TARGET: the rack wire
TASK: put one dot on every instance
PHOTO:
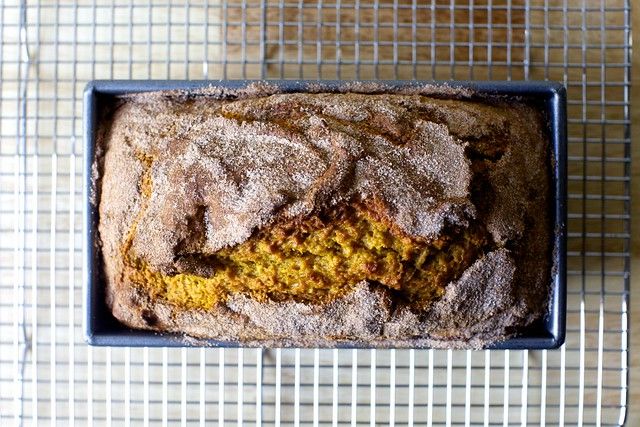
(49, 50)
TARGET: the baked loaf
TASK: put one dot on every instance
(401, 219)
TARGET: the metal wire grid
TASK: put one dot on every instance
(49, 50)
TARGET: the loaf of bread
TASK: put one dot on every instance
(261, 218)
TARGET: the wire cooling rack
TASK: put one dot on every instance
(50, 49)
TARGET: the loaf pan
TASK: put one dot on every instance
(102, 329)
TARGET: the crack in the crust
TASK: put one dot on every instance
(305, 261)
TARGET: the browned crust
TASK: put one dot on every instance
(502, 292)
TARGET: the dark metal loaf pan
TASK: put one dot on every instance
(101, 328)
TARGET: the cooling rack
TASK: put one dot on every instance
(50, 49)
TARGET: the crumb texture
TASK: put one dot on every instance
(391, 220)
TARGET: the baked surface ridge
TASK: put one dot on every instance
(315, 219)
